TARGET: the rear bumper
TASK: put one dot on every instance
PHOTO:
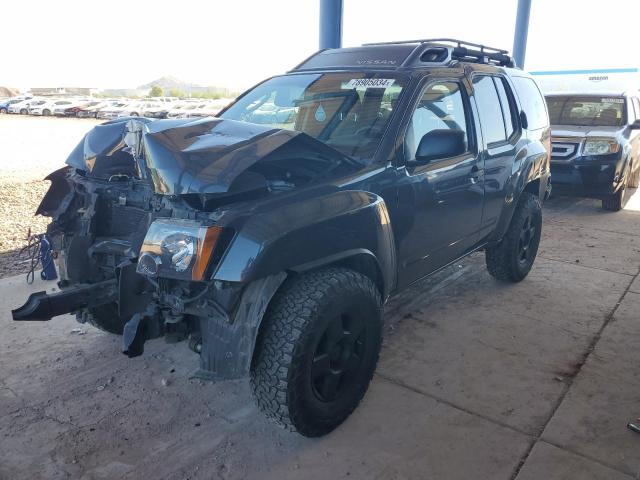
(41, 306)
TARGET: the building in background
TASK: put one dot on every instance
(596, 80)
(62, 91)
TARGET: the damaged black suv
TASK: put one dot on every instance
(271, 237)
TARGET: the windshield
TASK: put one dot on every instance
(347, 111)
(586, 111)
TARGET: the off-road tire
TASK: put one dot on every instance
(505, 260)
(295, 338)
(106, 318)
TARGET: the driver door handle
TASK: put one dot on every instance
(476, 174)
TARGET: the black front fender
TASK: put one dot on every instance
(311, 232)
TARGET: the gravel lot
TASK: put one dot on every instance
(22, 141)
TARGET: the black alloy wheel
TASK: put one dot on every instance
(527, 236)
(338, 357)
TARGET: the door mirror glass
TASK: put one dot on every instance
(441, 143)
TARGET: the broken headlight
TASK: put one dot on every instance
(179, 249)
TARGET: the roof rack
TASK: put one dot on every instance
(463, 50)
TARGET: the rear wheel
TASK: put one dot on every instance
(512, 259)
(317, 350)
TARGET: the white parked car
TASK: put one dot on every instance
(47, 107)
(21, 107)
(196, 110)
(137, 109)
(62, 105)
(91, 109)
(178, 108)
(206, 110)
(113, 110)
(156, 110)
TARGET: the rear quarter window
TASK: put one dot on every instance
(532, 102)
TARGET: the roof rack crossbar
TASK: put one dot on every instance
(459, 43)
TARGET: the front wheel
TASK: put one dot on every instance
(106, 318)
(3, 111)
(317, 350)
(512, 259)
(616, 201)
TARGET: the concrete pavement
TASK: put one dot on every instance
(476, 379)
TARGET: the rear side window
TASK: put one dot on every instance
(532, 102)
(488, 102)
(508, 112)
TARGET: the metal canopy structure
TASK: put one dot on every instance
(330, 24)
(331, 27)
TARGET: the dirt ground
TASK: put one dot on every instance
(477, 380)
(31, 148)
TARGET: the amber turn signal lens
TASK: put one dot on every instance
(207, 239)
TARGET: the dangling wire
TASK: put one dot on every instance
(32, 252)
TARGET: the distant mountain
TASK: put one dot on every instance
(168, 83)
(8, 92)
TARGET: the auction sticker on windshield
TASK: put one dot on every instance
(612, 100)
(369, 83)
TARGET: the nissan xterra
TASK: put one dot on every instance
(271, 236)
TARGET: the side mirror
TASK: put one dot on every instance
(443, 143)
(635, 125)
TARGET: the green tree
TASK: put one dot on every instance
(156, 91)
(174, 92)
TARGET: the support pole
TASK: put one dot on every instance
(330, 24)
(522, 30)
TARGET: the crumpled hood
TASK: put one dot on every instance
(194, 155)
(581, 132)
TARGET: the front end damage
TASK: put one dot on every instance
(138, 230)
